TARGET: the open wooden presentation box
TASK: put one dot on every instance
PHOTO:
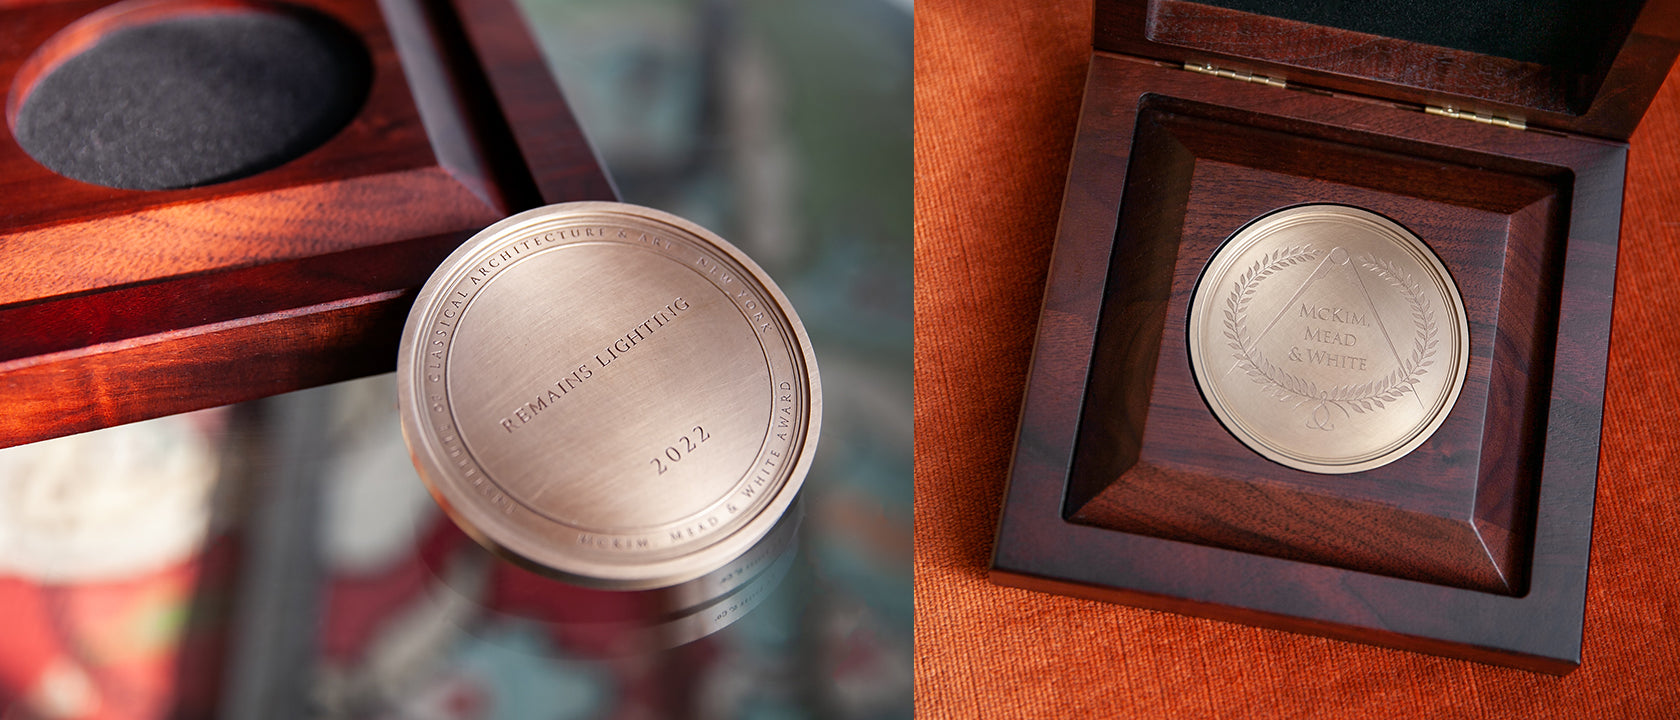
(119, 305)
(1494, 133)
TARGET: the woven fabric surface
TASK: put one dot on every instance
(998, 88)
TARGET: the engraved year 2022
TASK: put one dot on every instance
(681, 449)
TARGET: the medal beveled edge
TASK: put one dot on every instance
(472, 514)
(1218, 266)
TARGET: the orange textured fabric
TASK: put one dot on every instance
(997, 96)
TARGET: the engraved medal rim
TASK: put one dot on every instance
(683, 563)
(1218, 267)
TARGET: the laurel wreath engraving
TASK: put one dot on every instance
(1362, 398)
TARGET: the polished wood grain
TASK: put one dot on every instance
(1605, 102)
(1475, 544)
(120, 305)
(544, 133)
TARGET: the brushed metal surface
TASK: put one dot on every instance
(1328, 338)
(610, 393)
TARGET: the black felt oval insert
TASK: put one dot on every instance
(195, 100)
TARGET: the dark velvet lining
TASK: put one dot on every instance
(195, 100)
(1575, 36)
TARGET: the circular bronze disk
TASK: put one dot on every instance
(1328, 338)
(608, 392)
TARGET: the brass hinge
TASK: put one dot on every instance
(1242, 75)
(1484, 118)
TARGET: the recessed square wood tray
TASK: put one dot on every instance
(118, 305)
(1126, 487)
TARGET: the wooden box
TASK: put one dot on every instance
(118, 305)
(1497, 137)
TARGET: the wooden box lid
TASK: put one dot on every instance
(1578, 66)
(119, 305)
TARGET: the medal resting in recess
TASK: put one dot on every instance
(609, 393)
(1328, 338)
